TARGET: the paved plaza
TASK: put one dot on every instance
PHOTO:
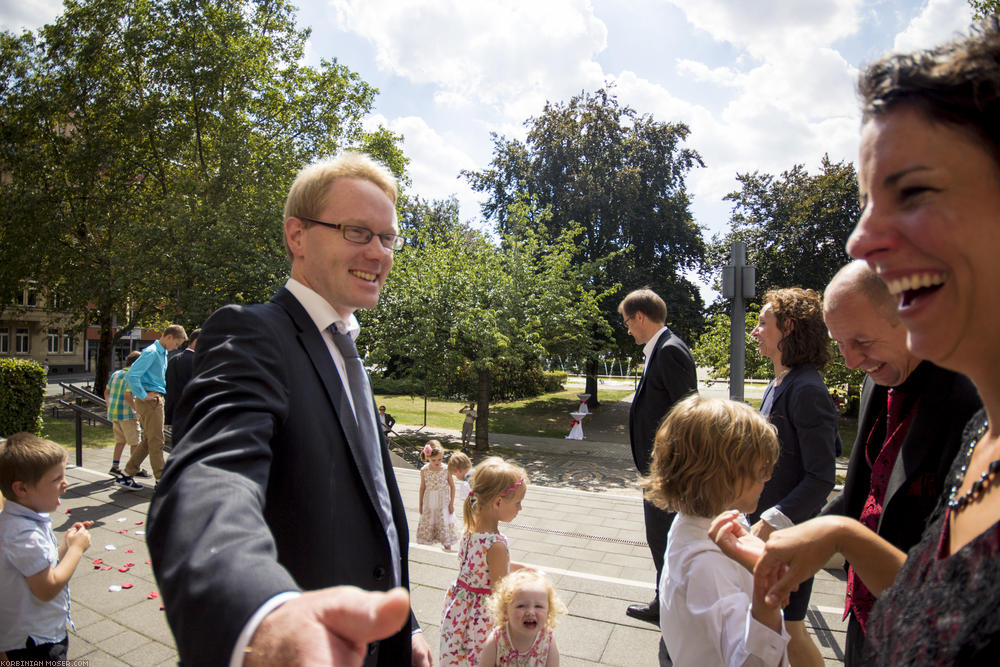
(591, 543)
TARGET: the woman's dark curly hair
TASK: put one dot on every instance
(957, 83)
(799, 313)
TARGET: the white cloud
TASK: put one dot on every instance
(507, 55)
(940, 20)
(764, 28)
(18, 15)
(723, 76)
(435, 160)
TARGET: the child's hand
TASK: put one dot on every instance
(735, 540)
(451, 508)
(78, 535)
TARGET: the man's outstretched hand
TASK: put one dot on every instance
(332, 626)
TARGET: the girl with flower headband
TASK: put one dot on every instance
(437, 499)
(484, 560)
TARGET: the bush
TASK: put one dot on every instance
(553, 381)
(405, 386)
(22, 390)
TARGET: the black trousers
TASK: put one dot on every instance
(658, 524)
(44, 654)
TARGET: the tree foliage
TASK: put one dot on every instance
(712, 348)
(618, 175)
(795, 226)
(457, 302)
(985, 8)
(146, 146)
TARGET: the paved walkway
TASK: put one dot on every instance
(590, 543)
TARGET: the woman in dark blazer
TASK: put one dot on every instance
(792, 334)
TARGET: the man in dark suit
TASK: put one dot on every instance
(282, 482)
(909, 428)
(179, 371)
(669, 376)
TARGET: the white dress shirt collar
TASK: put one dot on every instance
(321, 312)
(650, 345)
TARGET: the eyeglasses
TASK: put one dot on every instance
(361, 235)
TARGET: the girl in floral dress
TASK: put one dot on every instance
(497, 490)
(437, 499)
(525, 609)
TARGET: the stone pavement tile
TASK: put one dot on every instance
(566, 661)
(93, 591)
(544, 560)
(578, 553)
(124, 642)
(427, 603)
(433, 575)
(590, 567)
(99, 658)
(147, 619)
(152, 653)
(78, 646)
(619, 548)
(83, 616)
(582, 638)
(635, 562)
(601, 608)
(100, 631)
(630, 646)
(644, 576)
(610, 589)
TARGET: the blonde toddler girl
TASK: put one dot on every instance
(525, 609)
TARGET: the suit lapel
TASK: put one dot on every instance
(319, 354)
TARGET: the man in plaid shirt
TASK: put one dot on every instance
(122, 415)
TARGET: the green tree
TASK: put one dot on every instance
(795, 226)
(146, 146)
(456, 301)
(712, 348)
(620, 176)
(985, 8)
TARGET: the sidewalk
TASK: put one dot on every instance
(591, 544)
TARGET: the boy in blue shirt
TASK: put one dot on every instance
(34, 572)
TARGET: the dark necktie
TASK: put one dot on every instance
(364, 416)
(859, 598)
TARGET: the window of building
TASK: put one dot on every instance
(4, 340)
(29, 295)
(21, 340)
(53, 341)
(69, 342)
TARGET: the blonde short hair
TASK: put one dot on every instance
(493, 478)
(311, 187)
(459, 461)
(499, 602)
(704, 453)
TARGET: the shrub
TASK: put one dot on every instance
(22, 390)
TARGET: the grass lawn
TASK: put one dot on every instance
(63, 432)
(544, 415)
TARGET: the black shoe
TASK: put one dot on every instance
(115, 471)
(645, 612)
(143, 473)
(127, 483)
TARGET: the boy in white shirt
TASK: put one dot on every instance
(711, 455)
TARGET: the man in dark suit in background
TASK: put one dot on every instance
(896, 474)
(179, 371)
(282, 482)
(669, 376)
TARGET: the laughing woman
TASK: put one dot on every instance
(930, 181)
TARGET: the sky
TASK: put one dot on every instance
(762, 84)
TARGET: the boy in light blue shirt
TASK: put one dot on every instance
(34, 572)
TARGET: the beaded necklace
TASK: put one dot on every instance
(980, 485)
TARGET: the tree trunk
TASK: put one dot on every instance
(105, 350)
(591, 387)
(483, 411)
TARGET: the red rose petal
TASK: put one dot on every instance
(161, 607)
(123, 569)
(129, 564)
(97, 567)
(98, 561)
(107, 567)
(138, 523)
(149, 562)
(123, 531)
(130, 551)
(153, 596)
(127, 585)
(67, 511)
